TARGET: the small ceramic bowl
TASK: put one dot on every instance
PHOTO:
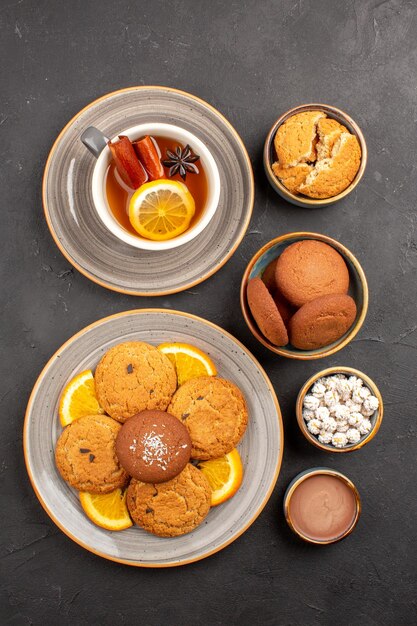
(96, 142)
(375, 420)
(317, 471)
(358, 290)
(269, 156)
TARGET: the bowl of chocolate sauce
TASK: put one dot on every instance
(322, 506)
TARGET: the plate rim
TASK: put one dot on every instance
(135, 292)
(42, 375)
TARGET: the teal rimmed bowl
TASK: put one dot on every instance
(358, 289)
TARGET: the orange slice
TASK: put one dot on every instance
(224, 474)
(189, 361)
(161, 209)
(107, 510)
(79, 399)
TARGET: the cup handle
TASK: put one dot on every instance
(94, 140)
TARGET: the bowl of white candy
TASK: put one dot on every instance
(339, 409)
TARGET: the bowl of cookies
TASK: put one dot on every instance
(304, 295)
(339, 409)
(314, 155)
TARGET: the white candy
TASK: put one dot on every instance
(329, 424)
(318, 390)
(365, 427)
(341, 412)
(353, 435)
(353, 382)
(325, 437)
(364, 393)
(311, 402)
(331, 398)
(308, 414)
(332, 409)
(342, 426)
(339, 440)
(355, 419)
(373, 402)
(369, 406)
(331, 383)
(352, 406)
(343, 389)
(322, 413)
(357, 398)
(314, 426)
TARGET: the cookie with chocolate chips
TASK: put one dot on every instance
(85, 455)
(171, 508)
(132, 377)
(214, 413)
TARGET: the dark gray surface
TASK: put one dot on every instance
(252, 60)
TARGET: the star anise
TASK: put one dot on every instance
(181, 161)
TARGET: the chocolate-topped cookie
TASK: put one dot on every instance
(153, 446)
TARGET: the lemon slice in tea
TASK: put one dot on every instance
(161, 209)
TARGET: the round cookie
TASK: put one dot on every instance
(172, 508)
(85, 455)
(214, 412)
(309, 269)
(266, 313)
(153, 446)
(322, 321)
(132, 377)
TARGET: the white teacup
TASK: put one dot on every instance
(96, 142)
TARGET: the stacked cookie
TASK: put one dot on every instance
(302, 297)
(150, 437)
